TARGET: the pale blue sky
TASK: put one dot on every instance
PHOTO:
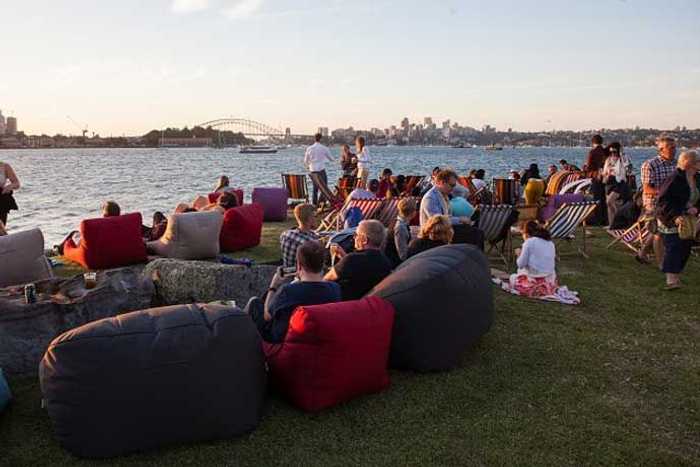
(129, 66)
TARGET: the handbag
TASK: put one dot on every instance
(686, 229)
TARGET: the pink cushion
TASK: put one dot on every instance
(333, 353)
(273, 201)
(242, 227)
(108, 242)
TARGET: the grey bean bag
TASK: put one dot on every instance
(444, 303)
(22, 258)
(154, 377)
(190, 235)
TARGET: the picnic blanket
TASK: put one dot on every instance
(538, 289)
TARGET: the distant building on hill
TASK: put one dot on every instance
(323, 131)
(186, 142)
(2, 124)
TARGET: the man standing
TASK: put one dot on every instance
(315, 160)
(358, 272)
(654, 172)
(594, 166)
(436, 202)
(596, 156)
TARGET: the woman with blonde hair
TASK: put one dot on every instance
(437, 231)
(677, 213)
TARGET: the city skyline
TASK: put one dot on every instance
(127, 68)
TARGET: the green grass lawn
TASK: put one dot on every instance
(615, 380)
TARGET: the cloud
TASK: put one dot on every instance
(243, 9)
(189, 6)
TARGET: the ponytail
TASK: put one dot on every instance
(534, 229)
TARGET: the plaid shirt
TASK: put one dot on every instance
(654, 172)
(290, 240)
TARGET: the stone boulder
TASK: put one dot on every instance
(179, 282)
(26, 330)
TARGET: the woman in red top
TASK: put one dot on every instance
(385, 183)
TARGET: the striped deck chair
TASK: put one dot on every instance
(555, 182)
(577, 186)
(412, 181)
(389, 211)
(327, 196)
(633, 237)
(296, 186)
(564, 222)
(370, 210)
(492, 221)
(345, 186)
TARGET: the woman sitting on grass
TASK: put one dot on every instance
(437, 231)
(536, 276)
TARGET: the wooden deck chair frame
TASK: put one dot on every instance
(370, 209)
(412, 181)
(330, 198)
(492, 220)
(567, 219)
(632, 237)
(297, 190)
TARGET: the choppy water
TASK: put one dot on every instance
(61, 187)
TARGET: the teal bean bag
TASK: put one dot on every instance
(461, 207)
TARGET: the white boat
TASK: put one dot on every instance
(258, 150)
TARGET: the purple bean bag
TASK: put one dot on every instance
(273, 201)
(556, 201)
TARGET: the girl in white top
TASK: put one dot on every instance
(536, 274)
(363, 162)
(615, 179)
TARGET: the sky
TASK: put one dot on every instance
(126, 67)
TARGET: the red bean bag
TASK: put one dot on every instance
(242, 227)
(238, 192)
(108, 242)
(333, 353)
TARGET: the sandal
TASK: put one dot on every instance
(675, 286)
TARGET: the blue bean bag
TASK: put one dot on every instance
(154, 377)
(461, 207)
(443, 299)
(5, 394)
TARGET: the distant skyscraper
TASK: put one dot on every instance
(11, 126)
(446, 124)
(324, 131)
(405, 124)
(427, 121)
(2, 124)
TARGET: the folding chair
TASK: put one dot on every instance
(506, 191)
(576, 186)
(564, 222)
(555, 182)
(296, 186)
(412, 181)
(633, 237)
(326, 193)
(388, 212)
(492, 221)
(345, 186)
(369, 207)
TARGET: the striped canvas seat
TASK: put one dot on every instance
(296, 186)
(556, 182)
(326, 192)
(492, 221)
(505, 191)
(577, 186)
(370, 209)
(633, 237)
(345, 186)
(412, 181)
(563, 224)
(390, 211)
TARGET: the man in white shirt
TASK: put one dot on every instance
(315, 160)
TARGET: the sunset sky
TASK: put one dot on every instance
(129, 66)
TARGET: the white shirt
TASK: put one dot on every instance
(538, 257)
(478, 183)
(360, 193)
(316, 156)
(363, 159)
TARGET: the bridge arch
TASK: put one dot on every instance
(245, 126)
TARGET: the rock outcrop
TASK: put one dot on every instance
(180, 282)
(27, 329)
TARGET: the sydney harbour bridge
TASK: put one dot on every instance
(249, 128)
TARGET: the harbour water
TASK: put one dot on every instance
(60, 187)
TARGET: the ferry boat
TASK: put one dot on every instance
(493, 147)
(258, 150)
